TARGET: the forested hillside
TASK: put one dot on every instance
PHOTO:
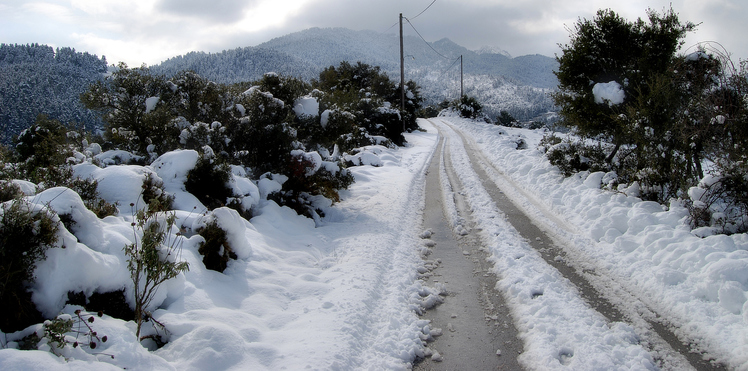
(37, 79)
(239, 65)
(518, 85)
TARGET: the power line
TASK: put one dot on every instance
(450, 66)
(423, 11)
(393, 25)
(424, 40)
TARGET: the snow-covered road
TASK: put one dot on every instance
(477, 329)
(524, 235)
(557, 295)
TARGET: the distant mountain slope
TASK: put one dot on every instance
(329, 46)
(240, 64)
(304, 54)
(37, 79)
(325, 47)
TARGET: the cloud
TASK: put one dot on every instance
(150, 31)
(228, 11)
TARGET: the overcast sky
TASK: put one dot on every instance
(150, 31)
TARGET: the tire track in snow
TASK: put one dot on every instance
(475, 325)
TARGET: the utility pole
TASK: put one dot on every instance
(402, 74)
(461, 93)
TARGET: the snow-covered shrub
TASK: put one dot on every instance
(334, 124)
(381, 119)
(9, 191)
(45, 151)
(310, 176)
(42, 145)
(572, 156)
(208, 182)
(360, 138)
(196, 99)
(506, 119)
(286, 88)
(215, 250)
(263, 138)
(154, 195)
(26, 233)
(721, 202)
(469, 107)
(371, 96)
(138, 109)
(200, 134)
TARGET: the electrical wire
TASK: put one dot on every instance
(395, 24)
(423, 11)
(450, 66)
(424, 40)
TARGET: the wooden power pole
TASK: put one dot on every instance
(402, 73)
(402, 66)
(461, 91)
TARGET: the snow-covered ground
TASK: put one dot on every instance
(345, 294)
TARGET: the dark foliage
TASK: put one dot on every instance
(216, 250)
(111, 303)
(25, 236)
(207, 181)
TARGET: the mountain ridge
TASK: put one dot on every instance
(432, 65)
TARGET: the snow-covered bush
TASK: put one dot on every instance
(200, 134)
(663, 121)
(197, 99)
(154, 195)
(572, 156)
(215, 248)
(310, 176)
(263, 138)
(42, 145)
(9, 191)
(721, 202)
(468, 107)
(334, 124)
(286, 88)
(26, 233)
(208, 182)
(371, 96)
(381, 119)
(138, 109)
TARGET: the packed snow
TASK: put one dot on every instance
(344, 292)
(610, 93)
